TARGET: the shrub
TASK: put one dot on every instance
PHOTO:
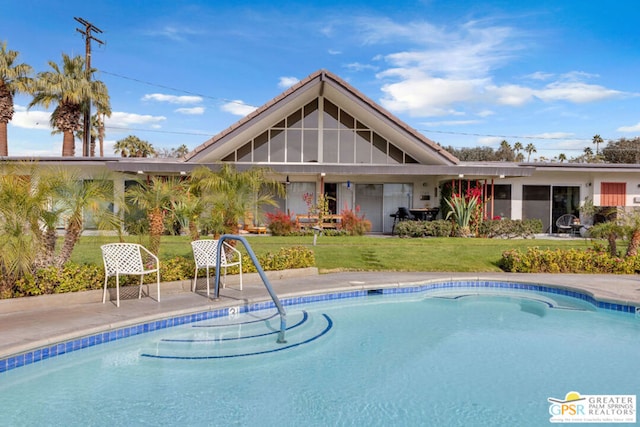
(52, 280)
(353, 223)
(81, 277)
(567, 261)
(510, 228)
(279, 223)
(438, 228)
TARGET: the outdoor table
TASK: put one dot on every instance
(427, 214)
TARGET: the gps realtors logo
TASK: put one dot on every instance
(606, 408)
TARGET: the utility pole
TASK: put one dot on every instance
(88, 28)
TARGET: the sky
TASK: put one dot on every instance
(463, 73)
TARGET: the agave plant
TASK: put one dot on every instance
(463, 210)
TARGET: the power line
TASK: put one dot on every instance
(526, 137)
(177, 90)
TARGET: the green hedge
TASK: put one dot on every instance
(510, 228)
(536, 260)
(503, 228)
(438, 228)
(76, 277)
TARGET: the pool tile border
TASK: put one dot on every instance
(47, 352)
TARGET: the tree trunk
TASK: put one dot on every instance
(4, 150)
(156, 228)
(634, 243)
(72, 235)
(613, 246)
(68, 144)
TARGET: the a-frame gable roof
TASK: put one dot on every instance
(323, 83)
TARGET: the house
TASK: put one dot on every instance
(324, 136)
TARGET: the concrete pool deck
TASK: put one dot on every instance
(33, 322)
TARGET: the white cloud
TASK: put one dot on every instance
(576, 92)
(452, 123)
(513, 95)
(238, 108)
(33, 119)
(172, 99)
(419, 94)
(121, 119)
(334, 52)
(195, 111)
(357, 66)
(632, 128)
(287, 82)
(173, 32)
(451, 70)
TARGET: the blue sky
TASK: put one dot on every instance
(464, 73)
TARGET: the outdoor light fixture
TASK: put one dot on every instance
(287, 181)
(323, 174)
(183, 172)
(460, 175)
(140, 172)
(502, 176)
(348, 184)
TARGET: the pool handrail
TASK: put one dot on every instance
(265, 280)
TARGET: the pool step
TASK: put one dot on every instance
(238, 337)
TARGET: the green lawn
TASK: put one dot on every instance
(365, 253)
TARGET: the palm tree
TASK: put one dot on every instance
(132, 146)
(597, 139)
(562, 157)
(76, 198)
(157, 197)
(232, 194)
(14, 78)
(71, 88)
(517, 147)
(530, 148)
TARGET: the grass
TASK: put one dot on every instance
(366, 253)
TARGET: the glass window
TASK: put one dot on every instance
(330, 146)
(310, 119)
(295, 120)
(296, 204)
(276, 146)
(310, 146)
(360, 125)
(231, 157)
(261, 147)
(294, 145)
(379, 154)
(280, 124)
(346, 120)
(363, 146)
(409, 159)
(330, 115)
(347, 146)
(395, 154)
(244, 153)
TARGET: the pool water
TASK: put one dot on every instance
(456, 357)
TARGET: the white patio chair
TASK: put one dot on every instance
(205, 255)
(127, 259)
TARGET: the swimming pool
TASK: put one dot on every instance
(451, 355)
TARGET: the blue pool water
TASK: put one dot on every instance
(446, 357)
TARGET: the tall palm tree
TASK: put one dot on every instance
(597, 139)
(14, 78)
(70, 88)
(530, 148)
